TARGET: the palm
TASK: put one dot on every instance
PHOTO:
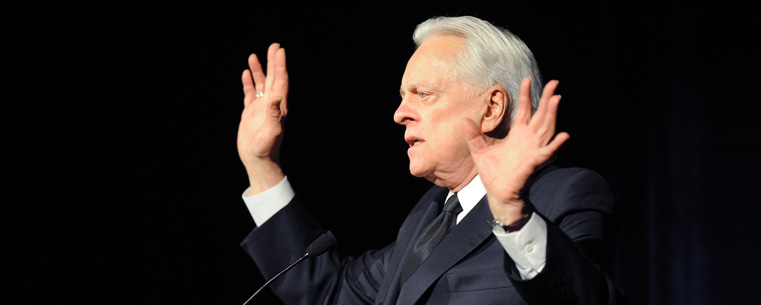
(260, 130)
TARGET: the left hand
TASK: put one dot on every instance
(260, 131)
(505, 167)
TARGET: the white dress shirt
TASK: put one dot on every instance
(527, 246)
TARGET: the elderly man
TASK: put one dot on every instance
(503, 225)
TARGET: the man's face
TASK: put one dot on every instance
(432, 108)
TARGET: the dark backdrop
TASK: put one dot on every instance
(658, 98)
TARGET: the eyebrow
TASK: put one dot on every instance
(412, 86)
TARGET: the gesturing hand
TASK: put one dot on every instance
(261, 124)
(505, 167)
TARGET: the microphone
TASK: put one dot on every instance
(325, 242)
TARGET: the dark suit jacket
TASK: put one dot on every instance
(469, 266)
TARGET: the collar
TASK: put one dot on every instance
(469, 196)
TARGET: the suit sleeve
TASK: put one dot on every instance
(325, 279)
(582, 225)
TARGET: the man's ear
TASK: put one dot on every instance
(496, 121)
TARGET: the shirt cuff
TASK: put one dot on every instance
(527, 246)
(264, 205)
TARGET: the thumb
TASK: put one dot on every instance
(474, 137)
(273, 109)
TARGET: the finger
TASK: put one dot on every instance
(474, 137)
(248, 87)
(248, 83)
(281, 80)
(256, 71)
(270, 78)
(281, 73)
(523, 114)
(550, 114)
(555, 144)
(547, 94)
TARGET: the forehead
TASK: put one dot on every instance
(429, 65)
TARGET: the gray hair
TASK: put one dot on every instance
(493, 56)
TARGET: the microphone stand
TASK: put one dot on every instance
(325, 242)
(276, 276)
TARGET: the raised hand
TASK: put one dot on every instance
(261, 124)
(505, 167)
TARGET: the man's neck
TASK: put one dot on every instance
(463, 182)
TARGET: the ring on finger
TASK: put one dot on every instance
(259, 94)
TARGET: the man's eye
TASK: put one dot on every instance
(423, 94)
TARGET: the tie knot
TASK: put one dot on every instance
(453, 205)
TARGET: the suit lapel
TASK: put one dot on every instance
(463, 239)
(424, 212)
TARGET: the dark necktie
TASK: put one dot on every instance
(431, 237)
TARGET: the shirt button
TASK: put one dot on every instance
(529, 248)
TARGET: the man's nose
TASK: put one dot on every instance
(404, 113)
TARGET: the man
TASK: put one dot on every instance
(515, 229)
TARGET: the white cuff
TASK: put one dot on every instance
(264, 205)
(527, 246)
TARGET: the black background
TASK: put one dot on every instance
(131, 115)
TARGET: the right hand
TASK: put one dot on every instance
(261, 124)
(504, 167)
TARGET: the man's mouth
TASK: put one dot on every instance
(412, 141)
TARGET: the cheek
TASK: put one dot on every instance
(445, 136)
(450, 143)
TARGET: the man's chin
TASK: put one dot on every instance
(417, 171)
(416, 174)
(423, 173)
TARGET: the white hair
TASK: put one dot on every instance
(493, 56)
